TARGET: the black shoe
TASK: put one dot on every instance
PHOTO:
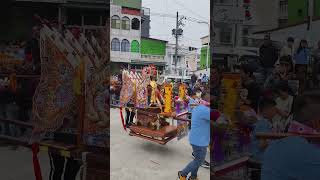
(205, 164)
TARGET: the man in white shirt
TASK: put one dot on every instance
(288, 49)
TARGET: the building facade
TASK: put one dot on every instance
(182, 66)
(19, 15)
(145, 22)
(205, 56)
(125, 33)
(153, 51)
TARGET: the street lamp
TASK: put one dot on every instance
(208, 48)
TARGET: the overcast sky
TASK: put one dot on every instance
(161, 27)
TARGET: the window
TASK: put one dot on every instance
(135, 47)
(115, 22)
(115, 45)
(283, 7)
(226, 35)
(245, 31)
(283, 22)
(245, 42)
(125, 46)
(125, 23)
(135, 24)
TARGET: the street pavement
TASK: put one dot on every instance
(16, 164)
(133, 158)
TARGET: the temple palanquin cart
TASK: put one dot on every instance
(70, 106)
(153, 107)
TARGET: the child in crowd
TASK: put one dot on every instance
(284, 105)
(267, 110)
(294, 157)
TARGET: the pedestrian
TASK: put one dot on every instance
(316, 66)
(268, 56)
(204, 78)
(286, 71)
(302, 60)
(288, 49)
(294, 157)
(199, 138)
(249, 83)
(284, 103)
(200, 77)
(193, 79)
(130, 114)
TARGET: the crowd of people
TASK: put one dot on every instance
(279, 105)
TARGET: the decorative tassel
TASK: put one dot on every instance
(36, 164)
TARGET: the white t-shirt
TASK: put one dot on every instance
(280, 123)
(286, 51)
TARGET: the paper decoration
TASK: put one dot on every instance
(167, 98)
(182, 91)
(230, 98)
(54, 95)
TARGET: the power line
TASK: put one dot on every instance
(192, 11)
(191, 19)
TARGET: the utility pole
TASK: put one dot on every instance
(177, 32)
(177, 41)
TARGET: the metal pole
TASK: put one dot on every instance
(176, 50)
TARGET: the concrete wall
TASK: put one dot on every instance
(135, 4)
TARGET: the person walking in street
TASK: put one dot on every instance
(288, 49)
(199, 138)
(268, 56)
(302, 60)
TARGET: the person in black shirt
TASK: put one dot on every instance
(249, 83)
(268, 56)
